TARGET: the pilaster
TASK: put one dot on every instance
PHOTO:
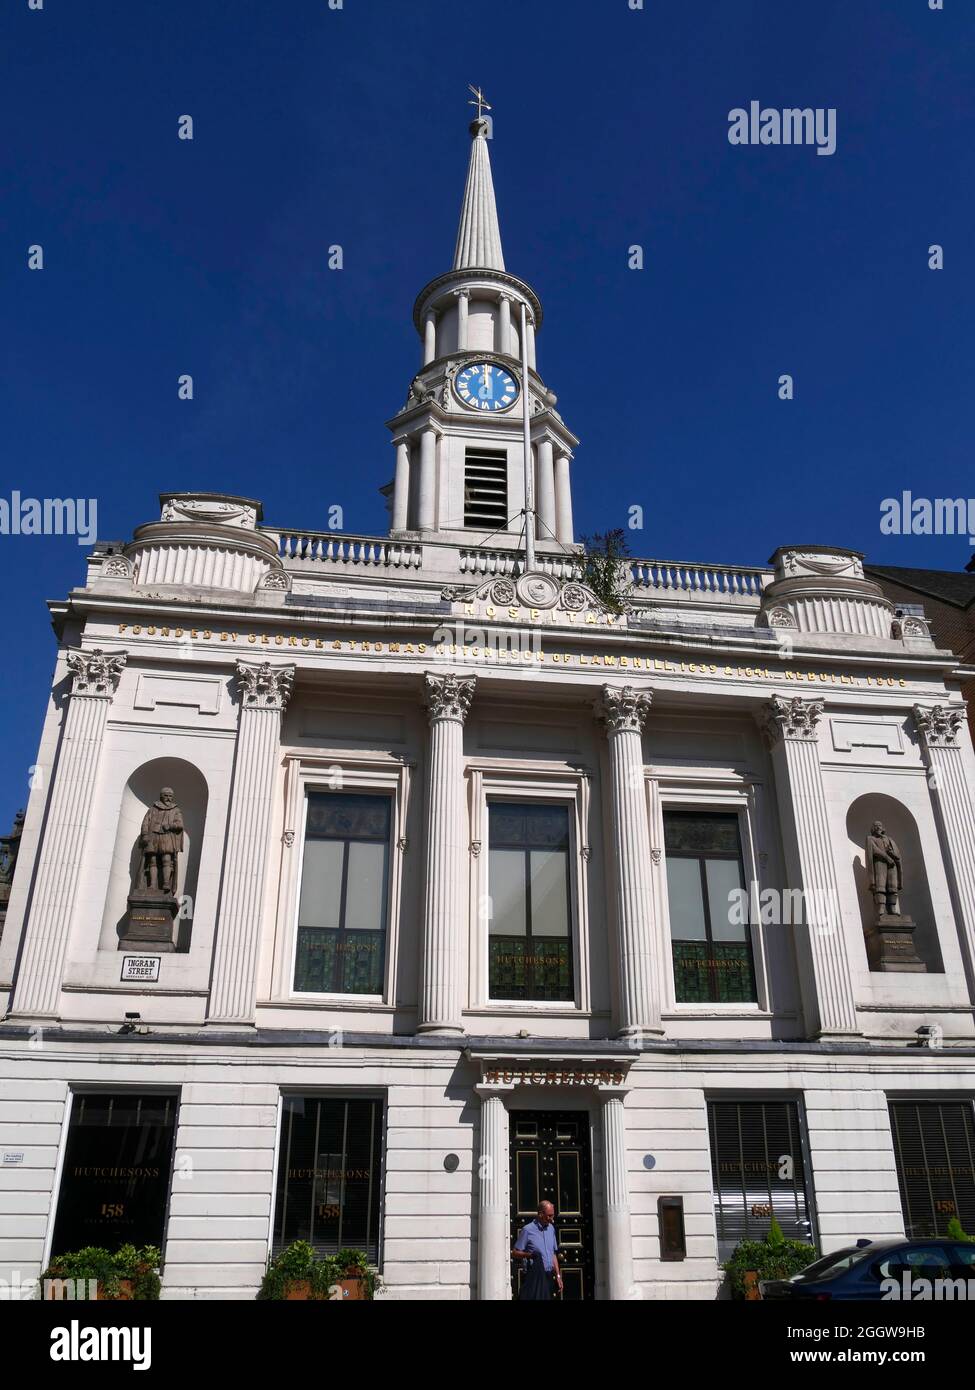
(623, 711)
(94, 679)
(264, 693)
(939, 730)
(825, 978)
(445, 927)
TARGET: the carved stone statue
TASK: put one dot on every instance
(161, 842)
(149, 923)
(885, 871)
(890, 936)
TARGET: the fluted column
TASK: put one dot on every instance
(429, 336)
(504, 326)
(563, 499)
(619, 1225)
(94, 679)
(445, 926)
(546, 491)
(463, 304)
(624, 711)
(401, 486)
(940, 728)
(824, 967)
(427, 501)
(493, 1236)
(264, 694)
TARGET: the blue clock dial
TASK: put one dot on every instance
(486, 387)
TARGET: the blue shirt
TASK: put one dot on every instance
(541, 1238)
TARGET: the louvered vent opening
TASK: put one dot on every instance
(485, 489)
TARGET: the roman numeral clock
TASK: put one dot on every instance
(484, 386)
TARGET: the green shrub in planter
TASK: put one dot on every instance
(296, 1274)
(129, 1273)
(956, 1232)
(771, 1258)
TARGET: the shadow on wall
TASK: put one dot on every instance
(139, 793)
(915, 896)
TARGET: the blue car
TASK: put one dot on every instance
(884, 1270)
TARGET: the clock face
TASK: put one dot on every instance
(483, 386)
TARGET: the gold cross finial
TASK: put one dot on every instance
(479, 101)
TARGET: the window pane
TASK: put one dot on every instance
(749, 1140)
(693, 832)
(506, 885)
(549, 888)
(365, 893)
(723, 879)
(344, 816)
(321, 883)
(117, 1172)
(329, 1172)
(686, 903)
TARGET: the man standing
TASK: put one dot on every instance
(538, 1243)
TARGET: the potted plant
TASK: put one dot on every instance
(957, 1232)
(355, 1278)
(129, 1274)
(295, 1275)
(290, 1276)
(771, 1258)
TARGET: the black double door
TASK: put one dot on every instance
(550, 1162)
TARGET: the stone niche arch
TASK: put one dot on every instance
(916, 895)
(138, 794)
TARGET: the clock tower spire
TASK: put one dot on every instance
(459, 439)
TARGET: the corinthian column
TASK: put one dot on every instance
(619, 1226)
(624, 712)
(445, 926)
(824, 967)
(940, 729)
(264, 693)
(493, 1237)
(94, 679)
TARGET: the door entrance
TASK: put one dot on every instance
(550, 1161)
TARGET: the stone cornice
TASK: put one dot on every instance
(474, 278)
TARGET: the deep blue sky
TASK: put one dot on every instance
(315, 126)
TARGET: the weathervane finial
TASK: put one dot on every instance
(480, 102)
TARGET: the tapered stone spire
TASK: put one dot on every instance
(479, 236)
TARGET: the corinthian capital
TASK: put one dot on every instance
(96, 672)
(623, 709)
(448, 697)
(939, 724)
(265, 686)
(792, 718)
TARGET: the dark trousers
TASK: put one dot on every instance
(537, 1283)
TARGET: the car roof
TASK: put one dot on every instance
(890, 1243)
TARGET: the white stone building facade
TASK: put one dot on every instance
(460, 852)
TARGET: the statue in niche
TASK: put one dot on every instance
(890, 937)
(161, 842)
(149, 923)
(885, 871)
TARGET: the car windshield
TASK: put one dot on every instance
(830, 1265)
